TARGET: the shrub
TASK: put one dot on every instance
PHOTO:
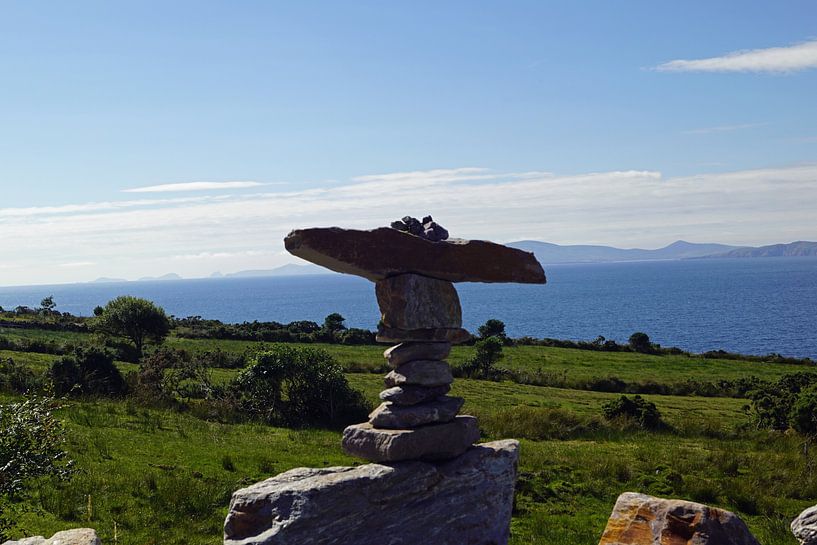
(803, 416)
(88, 371)
(482, 365)
(17, 378)
(166, 376)
(298, 386)
(640, 342)
(31, 446)
(644, 412)
(772, 405)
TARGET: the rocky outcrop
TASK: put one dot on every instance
(804, 526)
(384, 252)
(464, 501)
(638, 519)
(79, 536)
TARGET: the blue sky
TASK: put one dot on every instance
(624, 123)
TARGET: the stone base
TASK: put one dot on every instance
(432, 442)
(465, 500)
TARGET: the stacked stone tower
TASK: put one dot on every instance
(414, 265)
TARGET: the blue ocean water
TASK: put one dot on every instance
(753, 306)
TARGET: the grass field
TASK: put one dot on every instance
(150, 476)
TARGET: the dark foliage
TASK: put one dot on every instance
(87, 372)
(298, 386)
(644, 412)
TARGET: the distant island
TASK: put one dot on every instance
(801, 248)
(552, 254)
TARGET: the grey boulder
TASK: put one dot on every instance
(432, 442)
(411, 395)
(467, 500)
(402, 353)
(420, 373)
(78, 536)
(804, 526)
(442, 409)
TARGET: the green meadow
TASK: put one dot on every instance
(161, 476)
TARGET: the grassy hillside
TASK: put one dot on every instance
(150, 476)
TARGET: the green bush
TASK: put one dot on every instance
(640, 342)
(644, 412)
(803, 415)
(88, 371)
(298, 386)
(31, 446)
(772, 405)
(483, 364)
(18, 378)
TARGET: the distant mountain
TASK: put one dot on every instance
(800, 248)
(105, 280)
(290, 269)
(164, 277)
(549, 253)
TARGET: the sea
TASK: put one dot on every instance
(751, 306)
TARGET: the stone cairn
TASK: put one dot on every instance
(414, 264)
(429, 483)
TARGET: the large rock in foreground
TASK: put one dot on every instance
(804, 526)
(80, 536)
(465, 501)
(384, 252)
(639, 519)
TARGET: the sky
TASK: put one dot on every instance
(141, 138)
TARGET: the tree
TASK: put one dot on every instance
(640, 342)
(334, 323)
(137, 319)
(482, 365)
(492, 328)
(644, 412)
(47, 305)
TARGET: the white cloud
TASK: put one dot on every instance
(773, 59)
(240, 231)
(77, 264)
(725, 128)
(192, 186)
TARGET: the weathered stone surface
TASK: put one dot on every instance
(638, 519)
(395, 335)
(432, 442)
(420, 373)
(465, 501)
(385, 252)
(804, 526)
(411, 395)
(442, 409)
(402, 353)
(79, 536)
(411, 301)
